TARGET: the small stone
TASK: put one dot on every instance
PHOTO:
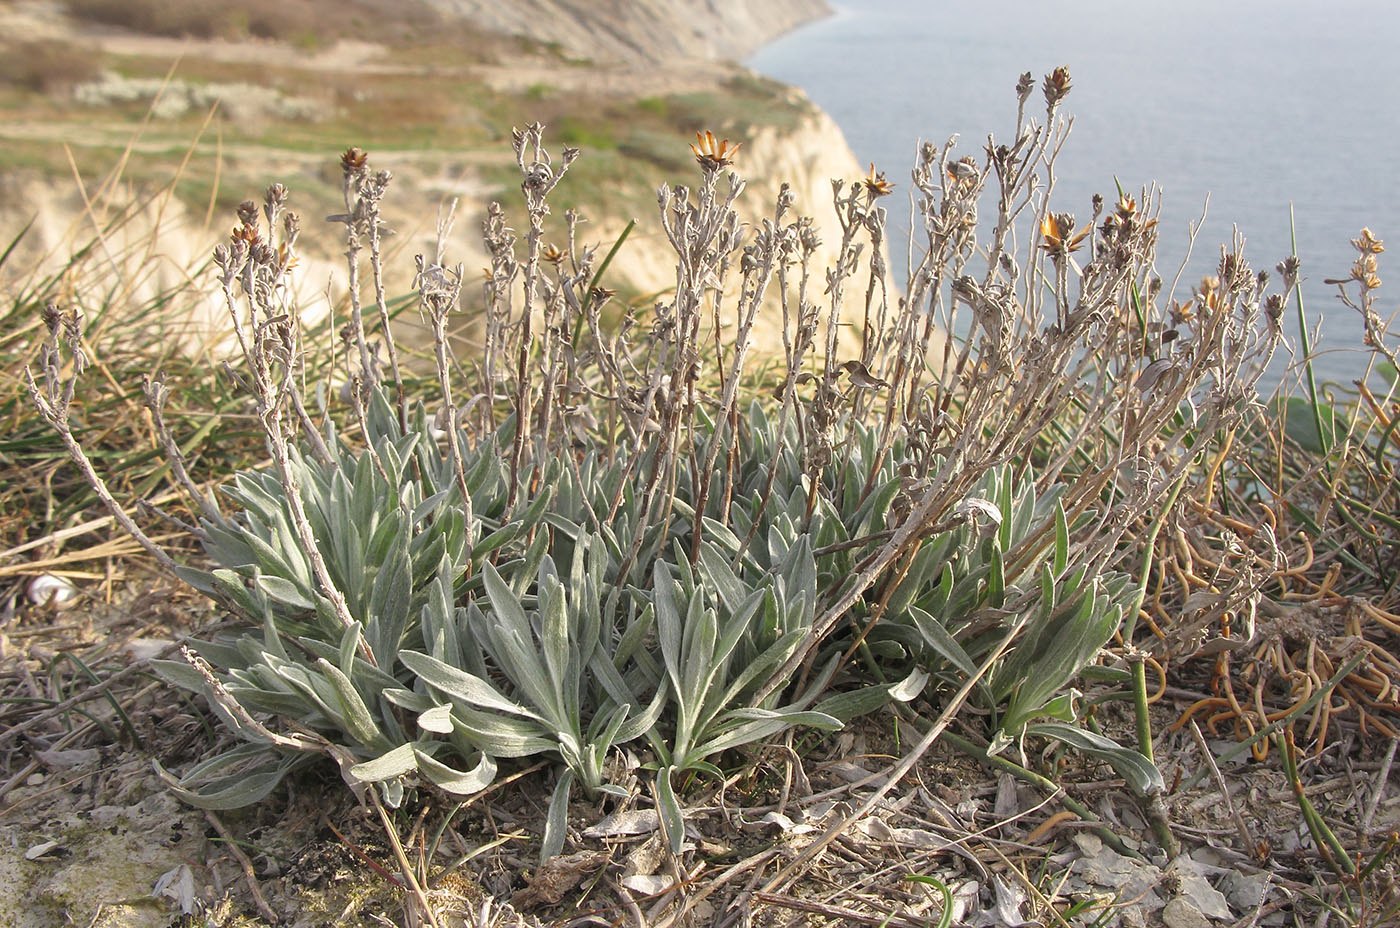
(41, 849)
(1179, 912)
(1089, 844)
(1204, 897)
(649, 885)
(1132, 916)
(1246, 893)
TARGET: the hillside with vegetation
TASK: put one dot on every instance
(368, 560)
(167, 114)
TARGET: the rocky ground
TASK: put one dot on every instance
(89, 836)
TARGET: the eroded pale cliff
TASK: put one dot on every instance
(657, 31)
(658, 72)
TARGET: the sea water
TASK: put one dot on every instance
(1244, 110)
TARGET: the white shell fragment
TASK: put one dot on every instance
(47, 588)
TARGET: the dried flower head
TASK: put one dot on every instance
(713, 154)
(275, 200)
(875, 183)
(552, 254)
(963, 170)
(539, 177)
(52, 316)
(1024, 85)
(353, 161)
(1365, 271)
(1368, 244)
(1059, 235)
(1056, 86)
(1208, 292)
(247, 212)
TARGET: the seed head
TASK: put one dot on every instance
(1024, 86)
(247, 212)
(1056, 86)
(276, 199)
(353, 161)
(52, 316)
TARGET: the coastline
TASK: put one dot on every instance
(829, 11)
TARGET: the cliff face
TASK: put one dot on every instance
(635, 31)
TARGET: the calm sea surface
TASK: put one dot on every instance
(1260, 105)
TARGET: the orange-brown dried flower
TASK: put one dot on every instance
(1126, 213)
(1059, 236)
(1366, 270)
(1208, 292)
(285, 257)
(1368, 244)
(875, 183)
(711, 153)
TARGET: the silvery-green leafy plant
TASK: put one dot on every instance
(395, 545)
(717, 640)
